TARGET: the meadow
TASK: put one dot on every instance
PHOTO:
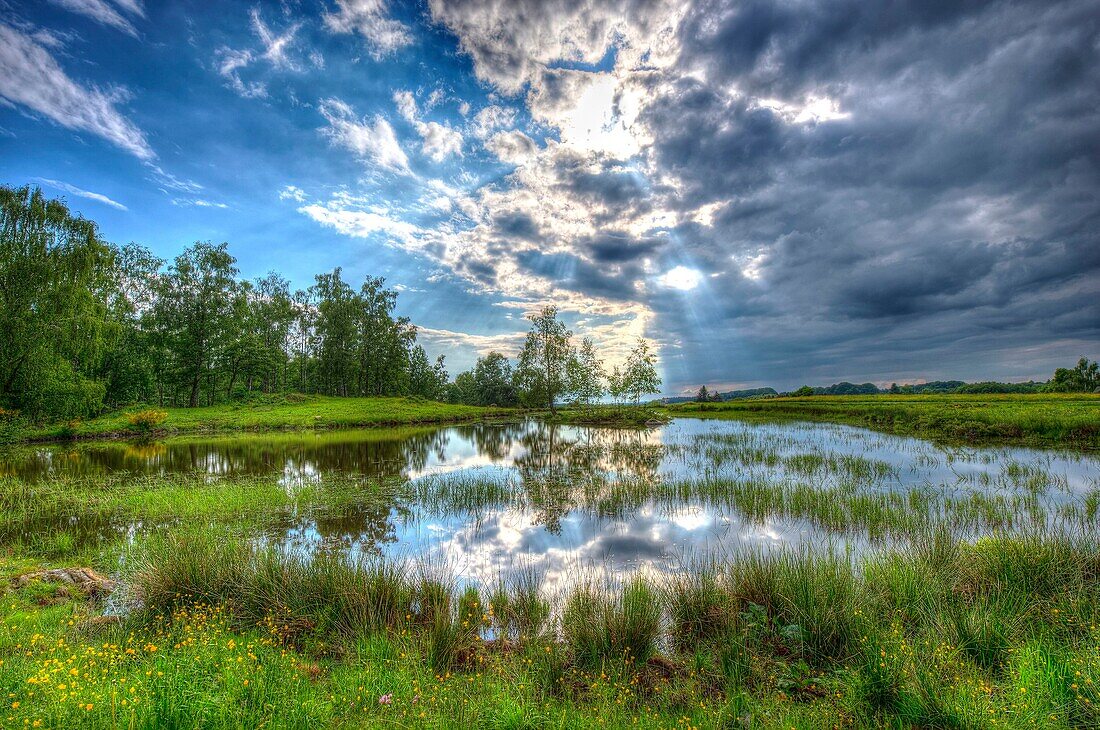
(706, 573)
(266, 413)
(1049, 419)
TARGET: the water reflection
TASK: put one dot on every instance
(486, 499)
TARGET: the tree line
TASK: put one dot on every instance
(1084, 377)
(552, 369)
(86, 325)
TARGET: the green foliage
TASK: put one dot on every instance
(639, 376)
(426, 379)
(604, 629)
(585, 375)
(1083, 378)
(802, 392)
(490, 383)
(54, 324)
(146, 421)
(542, 375)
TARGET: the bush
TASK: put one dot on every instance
(11, 426)
(146, 421)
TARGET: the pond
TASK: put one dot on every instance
(485, 500)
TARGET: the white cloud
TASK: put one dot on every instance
(492, 118)
(292, 192)
(169, 180)
(104, 13)
(595, 112)
(406, 105)
(812, 109)
(197, 203)
(369, 19)
(274, 50)
(30, 77)
(360, 223)
(439, 140)
(79, 192)
(372, 140)
(231, 62)
(447, 340)
(512, 43)
(513, 147)
(275, 44)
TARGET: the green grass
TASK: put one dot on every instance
(291, 412)
(1063, 420)
(613, 416)
(1003, 633)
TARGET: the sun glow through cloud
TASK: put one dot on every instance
(682, 278)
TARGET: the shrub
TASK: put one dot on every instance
(11, 424)
(146, 421)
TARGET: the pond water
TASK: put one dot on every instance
(485, 500)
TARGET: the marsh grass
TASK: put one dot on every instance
(915, 628)
(935, 634)
(1042, 419)
(602, 627)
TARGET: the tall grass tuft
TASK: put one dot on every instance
(623, 627)
(699, 607)
(323, 595)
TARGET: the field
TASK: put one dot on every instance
(1047, 419)
(1002, 633)
(277, 413)
(811, 575)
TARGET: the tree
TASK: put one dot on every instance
(585, 374)
(640, 374)
(336, 330)
(384, 342)
(541, 376)
(194, 304)
(703, 396)
(1083, 378)
(55, 275)
(803, 391)
(129, 367)
(492, 381)
(463, 389)
(425, 379)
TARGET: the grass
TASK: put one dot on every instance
(235, 629)
(1003, 632)
(289, 412)
(1062, 420)
(612, 416)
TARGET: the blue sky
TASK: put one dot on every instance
(773, 195)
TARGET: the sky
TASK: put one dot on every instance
(772, 192)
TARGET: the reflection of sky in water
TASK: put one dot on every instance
(565, 540)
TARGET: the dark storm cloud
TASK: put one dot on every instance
(573, 272)
(946, 216)
(517, 225)
(611, 247)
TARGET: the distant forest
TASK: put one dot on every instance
(1082, 378)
